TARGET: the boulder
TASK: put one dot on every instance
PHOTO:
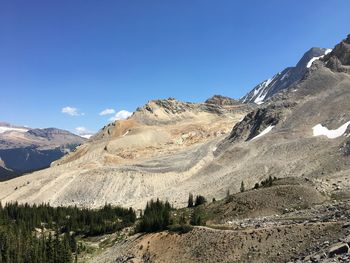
(337, 249)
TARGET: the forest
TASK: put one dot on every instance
(42, 233)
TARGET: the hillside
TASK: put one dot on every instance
(24, 149)
(289, 221)
(162, 145)
(169, 148)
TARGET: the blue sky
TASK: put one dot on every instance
(97, 55)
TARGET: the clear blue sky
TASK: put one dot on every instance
(93, 55)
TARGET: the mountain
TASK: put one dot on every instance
(24, 149)
(299, 141)
(169, 148)
(165, 142)
(275, 175)
(284, 79)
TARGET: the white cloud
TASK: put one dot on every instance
(83, 132)
(80, 130)
(107, 112)
(121, 115)
(71, 111)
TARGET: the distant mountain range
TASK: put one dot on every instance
(23, 149)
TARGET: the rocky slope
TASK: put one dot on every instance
(169, 148)
(317, 234)
(23, 149)
(284, 79)
(162, 145)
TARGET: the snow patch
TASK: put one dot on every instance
(86, 136)
(6, 129)
(260, 92)
(328, 50)
(263, 89)
(267, 130)
(331, 134)
(285, 76)
(309, 64)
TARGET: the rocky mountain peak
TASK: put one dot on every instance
(286, 78)
(170, 106)
(311, 55)
(221, 100)
(339, 59)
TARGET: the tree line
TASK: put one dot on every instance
(41, 233)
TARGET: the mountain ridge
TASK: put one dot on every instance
(284, 79)
(23, 149)
(168, 148)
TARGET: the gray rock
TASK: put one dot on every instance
(338, 249)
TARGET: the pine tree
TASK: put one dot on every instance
(190, 200)
(270, 181)
(50, 251)
(228, 194)
(242, 187)
(200, 200)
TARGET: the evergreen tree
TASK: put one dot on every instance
(270, 181)
(182, 219)
(196, 219)
(20, 240)
(156, 216)
(200, 200)
(242, 187)
(190, 200)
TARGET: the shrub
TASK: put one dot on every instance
(268, 182)
(180, 228)
(197, 219)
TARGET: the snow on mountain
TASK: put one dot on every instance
(23, 149)
(86, 136)
(331, 134)
(261, 91)
(266, 131)
(309, 64)
(284, 79)
(6, 129)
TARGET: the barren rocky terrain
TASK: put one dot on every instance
(309, 229)
(168, 149)
(128, 162)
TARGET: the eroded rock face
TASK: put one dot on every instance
(338, 249)
(222, 100)
(346, 148)
(256, 121)
(169, 105)
(339, 59)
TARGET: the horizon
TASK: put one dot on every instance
(89, 63)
